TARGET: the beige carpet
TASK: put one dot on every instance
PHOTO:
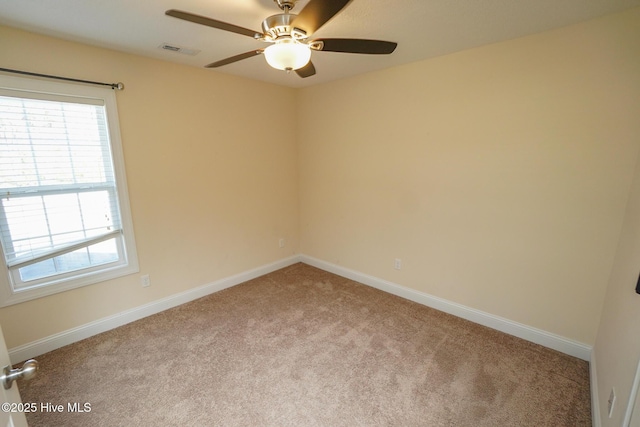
(302, 347)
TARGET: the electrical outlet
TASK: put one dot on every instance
(397, 264)
(612, 401)
(281, 242)
(145, 281)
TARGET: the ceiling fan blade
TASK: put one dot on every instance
(236, 58)
(203, 20)
(306, 71)
(372, 47)
(316, 13)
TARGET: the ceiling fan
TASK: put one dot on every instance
(288, 33)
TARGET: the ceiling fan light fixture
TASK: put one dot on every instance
(287, 54)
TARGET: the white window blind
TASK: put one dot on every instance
(58, 186)
(59, 204)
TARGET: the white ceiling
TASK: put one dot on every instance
(422, 28)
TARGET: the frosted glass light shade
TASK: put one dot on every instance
(287, 55)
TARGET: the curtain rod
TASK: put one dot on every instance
(118, 86)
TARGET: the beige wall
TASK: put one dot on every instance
(616, 352)
(212, 184)
(498, 175)
(617, 348)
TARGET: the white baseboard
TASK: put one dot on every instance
(538, 336)
(547, 339)
(52, 342)
(595, 400)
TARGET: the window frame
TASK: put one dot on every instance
(92, 275)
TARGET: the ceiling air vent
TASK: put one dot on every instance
(179, 49)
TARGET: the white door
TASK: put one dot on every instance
(11, 402)
(632, 415)
(635, 416)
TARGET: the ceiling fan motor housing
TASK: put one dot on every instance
(279, 26)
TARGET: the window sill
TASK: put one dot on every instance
(50, 288)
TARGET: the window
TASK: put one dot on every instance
(64, 213)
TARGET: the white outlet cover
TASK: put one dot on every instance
(145, 280)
